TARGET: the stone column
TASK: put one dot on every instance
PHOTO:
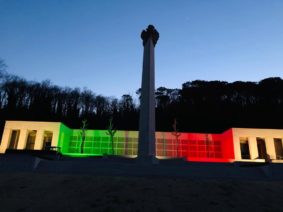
(22, 139)
(146, 145)
(39, 140)
(6, 136)
(55, 138)
(253, 147)
(237, 148)
(270, 148)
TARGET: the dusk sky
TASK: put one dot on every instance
(96, 43)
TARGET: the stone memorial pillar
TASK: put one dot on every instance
(146, 145)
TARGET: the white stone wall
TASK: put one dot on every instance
(267, 134)
(25, 127)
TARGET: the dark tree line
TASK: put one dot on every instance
(25, 100)
(214, 106)
(200, 106)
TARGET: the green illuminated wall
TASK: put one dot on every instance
(64, 137)
(97, 142)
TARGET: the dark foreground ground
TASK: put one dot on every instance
(35, 184)
(57, 192)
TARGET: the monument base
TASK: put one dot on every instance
(147, 160)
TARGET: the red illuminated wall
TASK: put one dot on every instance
(197, 146)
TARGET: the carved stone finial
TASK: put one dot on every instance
(150, 32)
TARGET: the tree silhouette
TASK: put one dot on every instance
(176, 134)
(83, 134)
(111, 132)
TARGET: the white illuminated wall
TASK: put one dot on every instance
(252, 134)
(25, 127)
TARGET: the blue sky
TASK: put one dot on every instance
(96, 43)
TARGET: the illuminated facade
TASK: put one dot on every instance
(235, 144)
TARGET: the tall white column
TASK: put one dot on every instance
(39, 140)
(237, 148)
(5, 140)
(253, 147)
(55, 138)
(146, 145)
(22, 139)
(270, 148)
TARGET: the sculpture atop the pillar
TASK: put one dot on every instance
(150, 32)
